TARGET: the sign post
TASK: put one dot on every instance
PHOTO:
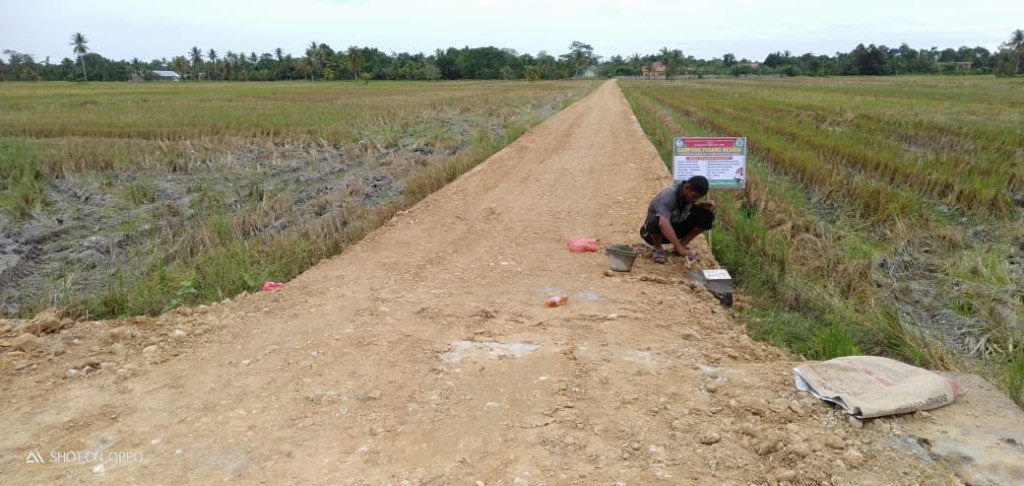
(722, 160)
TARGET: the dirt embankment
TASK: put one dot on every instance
(425, 355)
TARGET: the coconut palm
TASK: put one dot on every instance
(179, 63)
(79, 42)
(313, 59)
(1016, 44)
(211, 56)
(136, 64)
(196, 56)
(672, 59)
(354, 60)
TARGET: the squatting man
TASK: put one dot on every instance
(675, 216)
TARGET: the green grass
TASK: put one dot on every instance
(861, 193)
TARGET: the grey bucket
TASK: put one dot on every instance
(620, 257)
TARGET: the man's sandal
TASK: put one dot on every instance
(659, 256)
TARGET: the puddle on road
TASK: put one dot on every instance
(488, 350)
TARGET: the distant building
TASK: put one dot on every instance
(654, 70)
(167, 76)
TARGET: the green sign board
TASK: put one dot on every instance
(722, 160)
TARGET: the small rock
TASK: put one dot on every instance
(317, 398)
(151, 349)
(690, 336)
(785, 475)
(518, 481)
(246, 363)
(680, 426)
(122, 334)
(853, 458)
(609, 273)
(47, 321)
(767, 446)
(802, 450)
(749, 430)
(178, 334)
(711, 387)
(834, 442)
(710, 438)
(796, 408)
(855, 423)
(26, 342)
(184, 311)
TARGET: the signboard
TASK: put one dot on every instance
(716, 274)
(723, 160)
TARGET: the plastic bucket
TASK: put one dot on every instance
(620, 257)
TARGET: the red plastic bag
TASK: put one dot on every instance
(268, 285)
(582, 243)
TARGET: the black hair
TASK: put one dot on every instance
(698, 184)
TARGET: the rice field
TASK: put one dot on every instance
(882, 215)
(121, 199)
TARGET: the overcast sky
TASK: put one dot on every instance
(147, 29)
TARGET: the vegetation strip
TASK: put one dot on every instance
(872, 223)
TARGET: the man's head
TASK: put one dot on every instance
(694, 188)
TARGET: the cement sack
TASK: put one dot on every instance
(871, 386)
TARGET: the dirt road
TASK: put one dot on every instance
(425, 355)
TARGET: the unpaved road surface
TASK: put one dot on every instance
(425, 355)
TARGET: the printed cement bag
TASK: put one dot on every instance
(871, 386)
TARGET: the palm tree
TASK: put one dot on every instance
(1016, 44)
(211, 55)
(355, 60)
(136, 64)
(196, 56)
(636, 63)
(180, 64)
(672, 58)
(313, 58)
(79, 41)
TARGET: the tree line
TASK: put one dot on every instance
(321, 62)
